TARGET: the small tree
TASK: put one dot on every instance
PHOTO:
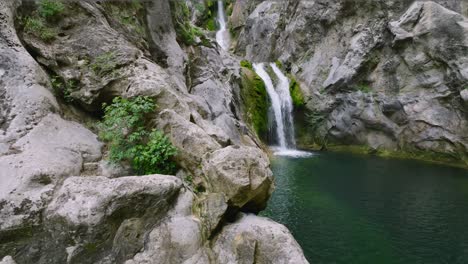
(129, 139)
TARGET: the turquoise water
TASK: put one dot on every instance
(354, 209)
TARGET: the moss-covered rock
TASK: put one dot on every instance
(255, 101)
(186, 32)
(246, 64)
(296, 93)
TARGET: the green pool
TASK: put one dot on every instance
(343, 208)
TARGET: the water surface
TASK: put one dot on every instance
(355, 209)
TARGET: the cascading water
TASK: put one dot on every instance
(275, 104)
(282, 89)
(222, 36)
(282, 106)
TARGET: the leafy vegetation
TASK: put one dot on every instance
(40, 22)
(50, 9)
(129, 139)
(104, 64)
(36, 27)
(63, 89)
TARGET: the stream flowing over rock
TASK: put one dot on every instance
(62, 202)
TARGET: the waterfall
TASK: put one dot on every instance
(275, 104)
(282, 106)
(282, 89)
(222, 36)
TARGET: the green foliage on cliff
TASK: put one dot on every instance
(50, 9)
(41, 22)
(63, 88)
(255, 101)
(127, 13)
(37, 27)
(129, 139)
(207, 10)
(185, 31)
(296, 93)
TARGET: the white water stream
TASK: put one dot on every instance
(222, 36)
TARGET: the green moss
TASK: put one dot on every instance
(255, 101)
(296, 93)
(246, 64)
(279, 64)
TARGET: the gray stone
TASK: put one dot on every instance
(242, 174)
(254, 239)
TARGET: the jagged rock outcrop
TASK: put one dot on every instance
(388, 75)
(60, 202)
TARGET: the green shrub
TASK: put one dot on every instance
(50, 9)
(246, 64)
(35, 26)
(104, 64)
(124, 129)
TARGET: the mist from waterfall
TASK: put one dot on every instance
(222, 36)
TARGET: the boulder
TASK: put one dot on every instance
(242, 174)
(96, 218)
(254, 239)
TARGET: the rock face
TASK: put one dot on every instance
(61, 202)
(390, 75)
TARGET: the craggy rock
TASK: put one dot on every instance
(389, 75)
(253, 239)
